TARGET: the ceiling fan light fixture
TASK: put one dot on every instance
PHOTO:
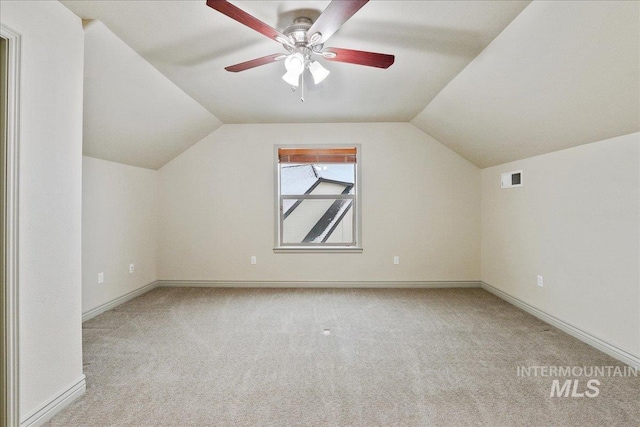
(291, 78)
(318, 72)
(294, 63)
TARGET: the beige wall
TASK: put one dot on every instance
(576, 222)
(50, 175)
(420, 201)
(119, 227)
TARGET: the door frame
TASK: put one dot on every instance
(10, 225)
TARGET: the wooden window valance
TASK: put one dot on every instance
(317, 155)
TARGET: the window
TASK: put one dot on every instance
(317, 198)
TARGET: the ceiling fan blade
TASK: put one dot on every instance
(243, 17)
(256, 62)
(337, 13)
(370, 59)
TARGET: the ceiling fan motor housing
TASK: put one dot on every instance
(298, 32)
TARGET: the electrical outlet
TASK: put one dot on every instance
(396, 260)
(100, 278)
(132, 268)
(540, 281)
(254, 260)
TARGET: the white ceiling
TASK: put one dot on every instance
(132, 113)
(560, 74)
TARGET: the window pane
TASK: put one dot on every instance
(322, 178)
(317, 221)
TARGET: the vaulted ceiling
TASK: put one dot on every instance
(493, 80)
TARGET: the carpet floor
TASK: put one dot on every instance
(336, 357)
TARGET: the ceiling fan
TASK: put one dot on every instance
(304, 41)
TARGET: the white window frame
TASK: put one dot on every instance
(356, 247)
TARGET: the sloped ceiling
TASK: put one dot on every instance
(132, 113)
(495, 81)
(560, 75)
(191, 44)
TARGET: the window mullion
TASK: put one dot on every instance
(318, 197)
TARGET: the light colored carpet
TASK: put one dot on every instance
(260, 357)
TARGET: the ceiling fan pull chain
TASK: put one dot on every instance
(302, 87)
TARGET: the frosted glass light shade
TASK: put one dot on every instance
(291, 78)
(318, 72)
(294, 63)
(295, 66)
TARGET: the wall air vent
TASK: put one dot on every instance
(511, 179)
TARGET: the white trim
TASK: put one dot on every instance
(120, 300)
(586, 337)
(11, 222)
(312, 284)
(357, 218)
(317, 250)
(49, 409)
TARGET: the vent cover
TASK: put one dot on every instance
(511, 179)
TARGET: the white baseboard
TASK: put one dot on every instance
(312, 284)
(586, 337)
(116, 302)
(56, 404)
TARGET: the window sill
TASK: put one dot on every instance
(324, 250)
